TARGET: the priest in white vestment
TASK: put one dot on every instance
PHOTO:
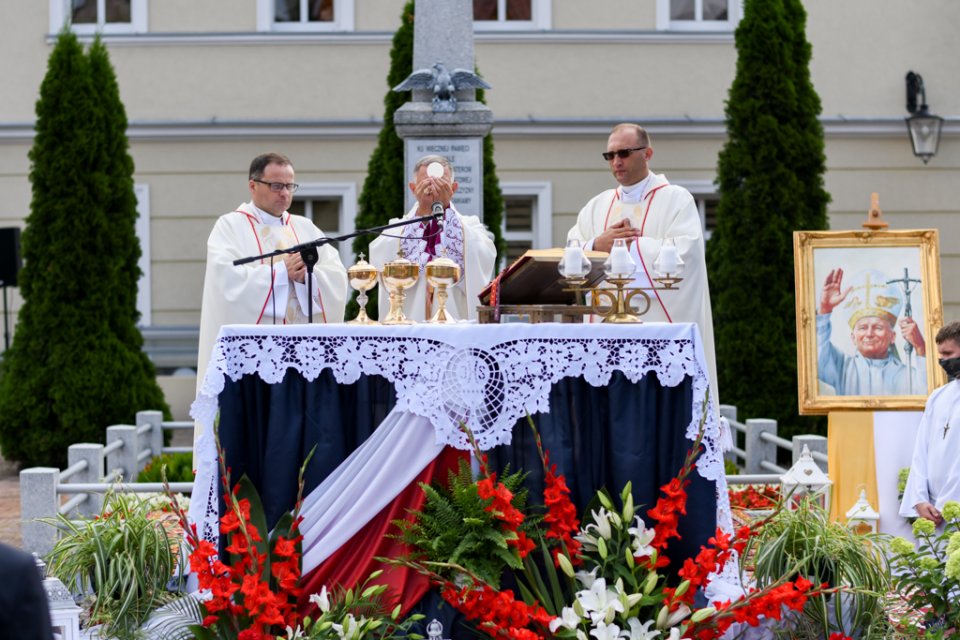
(935, 469)
(266, 291)
(648, 213)
(461, 238)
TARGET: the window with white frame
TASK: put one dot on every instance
(698, 15)
(333, 208)
(497, 15)
(99, 16)
(527, 217)
(705, 194)
(142, 228)
(305, 15)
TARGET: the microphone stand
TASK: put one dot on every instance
(310, 255)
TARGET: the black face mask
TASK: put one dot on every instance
(951, 366)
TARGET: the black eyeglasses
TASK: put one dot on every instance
(620, 153)
(277, 187)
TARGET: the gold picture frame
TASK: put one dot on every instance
(869, 276)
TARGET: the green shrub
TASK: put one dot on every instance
(179, 468)
(76, 364)
(770, 177)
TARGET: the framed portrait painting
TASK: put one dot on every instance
(868, 308)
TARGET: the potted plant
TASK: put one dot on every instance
(123, 559)
(927, 575)
(805, 542)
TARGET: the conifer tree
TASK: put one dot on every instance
(770, 174)
(76, 364)
(384, 189)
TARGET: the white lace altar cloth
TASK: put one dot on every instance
(485, 376)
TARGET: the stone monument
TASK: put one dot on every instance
(444, 116)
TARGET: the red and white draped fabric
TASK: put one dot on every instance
(486, 376)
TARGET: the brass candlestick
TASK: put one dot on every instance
(442, 273)
(620, 298)
(398, 276)
(362, 277)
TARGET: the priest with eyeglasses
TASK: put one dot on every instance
(266, 291)
(648, 213)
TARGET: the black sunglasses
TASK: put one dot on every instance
(620, 153)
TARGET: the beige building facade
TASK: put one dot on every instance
(208, 85)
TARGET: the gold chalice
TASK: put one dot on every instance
(362, 277)
(398, 276)
(442, 272)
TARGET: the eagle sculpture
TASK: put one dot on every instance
(443, 83)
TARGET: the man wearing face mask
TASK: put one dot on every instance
(935, 469)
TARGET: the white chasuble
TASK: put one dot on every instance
(665, 214)
(464, 239)
(261, 292)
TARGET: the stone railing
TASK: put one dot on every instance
(93, 469)
(757, 445)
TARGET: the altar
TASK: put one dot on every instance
(382, 408)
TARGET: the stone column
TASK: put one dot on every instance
(443, 32)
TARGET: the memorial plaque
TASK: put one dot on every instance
(466, 156)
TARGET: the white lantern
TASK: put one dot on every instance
(64, 613)
(862, 518)
(805, 479)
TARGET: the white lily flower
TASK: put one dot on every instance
(642, 537)
(633, 599)
(568, 618)
(587, 578)
(598, 601)
(587, 541)
(601, 524)
(605, 631)
(674, 634)
(322, 599)
(581, 634)
(640, 630)
(677, 616)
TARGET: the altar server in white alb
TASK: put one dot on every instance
(265, 291)
(648, 213)
(462, 238)
(935, 468)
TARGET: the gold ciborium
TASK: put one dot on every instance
(398, 276)
(362, 277)
(442, 272)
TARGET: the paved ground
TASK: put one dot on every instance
(10, 494)
(10, 509)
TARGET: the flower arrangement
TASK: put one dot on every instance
(478, 526)
(927, 574)
(755, 497)
(253, 595)
(603, 579)
(804, 541)
(124, 557)
(355, 614)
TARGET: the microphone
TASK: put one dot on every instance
(437, 209)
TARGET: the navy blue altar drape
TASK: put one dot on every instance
(597, 436)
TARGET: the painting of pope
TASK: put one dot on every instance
(869, 341)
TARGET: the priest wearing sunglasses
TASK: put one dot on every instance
(648, 213)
